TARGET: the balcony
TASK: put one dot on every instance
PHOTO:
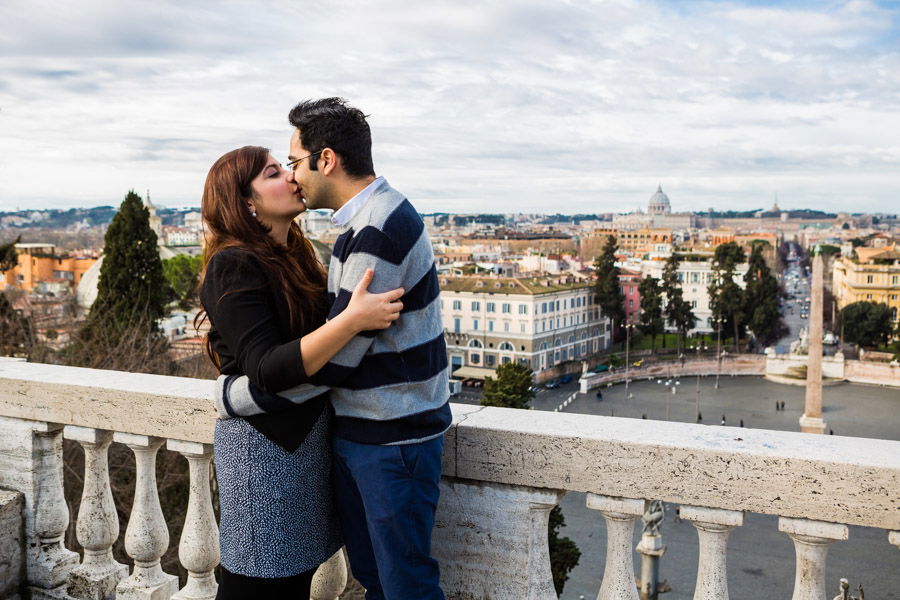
(504, 471)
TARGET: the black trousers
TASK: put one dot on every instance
(240, 587)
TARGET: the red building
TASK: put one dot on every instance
(629, 282)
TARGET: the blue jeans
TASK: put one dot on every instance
(386, 499)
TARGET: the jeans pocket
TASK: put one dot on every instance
(409, 455)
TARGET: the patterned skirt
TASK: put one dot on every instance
(277, 514)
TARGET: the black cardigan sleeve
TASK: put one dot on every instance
(238, 298)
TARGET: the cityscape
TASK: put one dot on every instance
(664, 298)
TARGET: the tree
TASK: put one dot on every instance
(607, 287)
(678, 312)
(726, 298)
(120, 331)
(651, 322)
(761, 295)
(16, 330)
(866, 323)
(8, 256)
(182, 272)
(564, 554)
(512, 389)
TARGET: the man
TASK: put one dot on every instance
(389, 388)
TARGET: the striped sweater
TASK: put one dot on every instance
(388, 386)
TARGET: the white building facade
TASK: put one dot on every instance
(541, 322)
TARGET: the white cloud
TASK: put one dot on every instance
(571, 107)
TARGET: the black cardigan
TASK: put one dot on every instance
(251, 335)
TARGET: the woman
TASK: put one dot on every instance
(264, 293)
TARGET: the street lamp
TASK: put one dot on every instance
(628, 328)
(700, 346)
(718, 349)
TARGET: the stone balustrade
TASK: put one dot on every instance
(504, 470)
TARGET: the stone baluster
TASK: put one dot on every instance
(49, 563)
(97, 526)
(146, 537)
(198, 549)
(713, 527)
(811, 542)
(330, 578)
(620, 515)
(491, 540)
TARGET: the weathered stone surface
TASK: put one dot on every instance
(12, 543)
(491, 541)
(172, 407)
(756, 470)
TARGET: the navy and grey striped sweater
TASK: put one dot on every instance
(388, 386)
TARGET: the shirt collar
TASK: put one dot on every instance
(343, 215)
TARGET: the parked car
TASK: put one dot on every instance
(565, 379)
(551, 385)
(601, 368)
(637, 363)
(829, 339)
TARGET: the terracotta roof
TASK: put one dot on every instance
(510, 285)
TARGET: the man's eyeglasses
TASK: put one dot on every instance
(296, 162)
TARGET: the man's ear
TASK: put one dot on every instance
(329, 161)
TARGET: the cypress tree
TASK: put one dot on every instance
(651, 322)
(121, 331)
(761, 294)
(677, 311)
(607, 287)
(726, 298)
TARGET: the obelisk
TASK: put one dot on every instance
(811, 421)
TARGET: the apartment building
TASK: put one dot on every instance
(41, 265)
(538, 321)
(872, 276)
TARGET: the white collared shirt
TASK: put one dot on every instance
(343, 215)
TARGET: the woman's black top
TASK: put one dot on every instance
(251, 335)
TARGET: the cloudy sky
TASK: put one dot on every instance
(476, 106)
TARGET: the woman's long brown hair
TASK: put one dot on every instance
(294, 269)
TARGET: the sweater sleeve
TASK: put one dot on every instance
(237, 296)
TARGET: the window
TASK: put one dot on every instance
(506, 346)
(506, 307)
(630, 303)
(693, 304)
(543, 307)
(522, 327)
(457, 305)
(474, 358)
(475, 324)
(505, 325)
(868, 296)
(475, 344)
(557, 305)
(490, 325)
(895, 279)
(456, 325)
(491, 307)
(476, 305)
(504, 360)
(869, 279)
(523, 309)
(491, 359)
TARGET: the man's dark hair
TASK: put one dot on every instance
(332, 123)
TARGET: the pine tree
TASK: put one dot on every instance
(121, 331)
(16, 330)
(607, 287)
(678, 312)
(512, 389)
(8, 255)
(651, 322)
(761, 294)
(726, 298)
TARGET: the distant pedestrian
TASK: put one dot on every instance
(742, 422)
(677, 518)
(777, 405)
(723, 420)
(644, 416)
(699, 417)
(831, 432)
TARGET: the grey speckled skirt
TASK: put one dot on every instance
(277, 515)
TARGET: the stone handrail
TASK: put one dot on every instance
(503, 472)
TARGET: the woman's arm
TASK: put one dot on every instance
(364, 312)
(236, 295)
